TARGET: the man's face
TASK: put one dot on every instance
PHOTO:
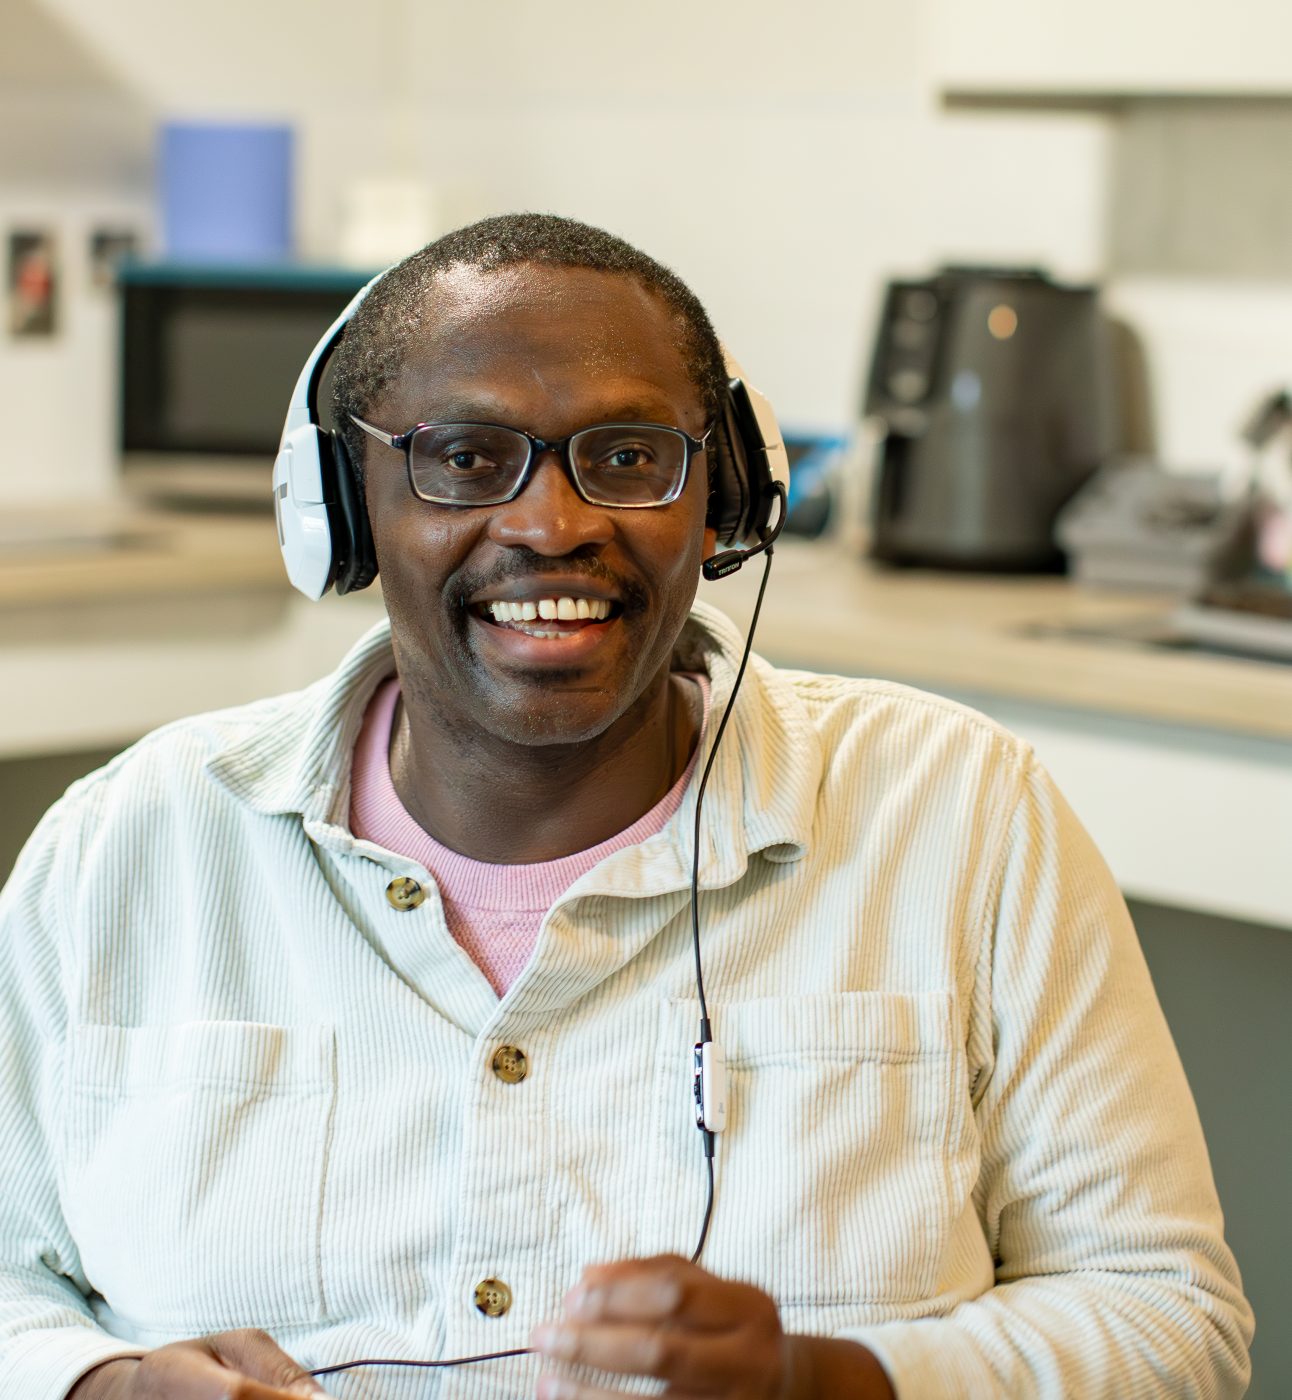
(550, 351)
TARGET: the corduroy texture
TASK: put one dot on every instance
(238, 1088)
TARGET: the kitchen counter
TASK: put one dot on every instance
(829, 610)
(111, 550)
(1179, 763)
(826, 609)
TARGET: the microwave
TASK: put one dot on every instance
(209, 358)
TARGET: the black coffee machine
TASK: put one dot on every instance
(994, 388)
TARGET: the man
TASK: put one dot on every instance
(357, 1023)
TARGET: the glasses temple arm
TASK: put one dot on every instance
(368, 428)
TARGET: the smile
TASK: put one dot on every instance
(558, 618)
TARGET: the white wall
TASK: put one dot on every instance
(1214, 347)
(1118, 46)
(784, 159)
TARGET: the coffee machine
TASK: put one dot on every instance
(995, 396)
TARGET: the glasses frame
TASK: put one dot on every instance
(403, 442)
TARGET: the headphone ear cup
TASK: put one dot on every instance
(354, 555)
(729, 496)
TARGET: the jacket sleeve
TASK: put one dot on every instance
(48, 1336)
(1112, 1277)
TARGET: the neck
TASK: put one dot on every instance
(513, 804)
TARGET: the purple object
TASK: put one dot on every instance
(226, 191)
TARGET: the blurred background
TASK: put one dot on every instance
(1018, 279)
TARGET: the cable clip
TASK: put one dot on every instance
(710, 1087)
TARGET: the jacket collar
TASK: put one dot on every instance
(762, 791)
(761, 794)
(296, 754)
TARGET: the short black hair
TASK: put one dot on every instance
(378, 336)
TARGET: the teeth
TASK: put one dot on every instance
(565, 609)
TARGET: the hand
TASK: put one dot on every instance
(705, 1336)
(244, 1365)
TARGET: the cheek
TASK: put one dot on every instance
(676, 569)
(417, 555)
(413, 539)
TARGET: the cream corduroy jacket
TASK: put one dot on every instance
(240, 1088)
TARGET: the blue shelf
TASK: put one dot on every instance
(310, 277)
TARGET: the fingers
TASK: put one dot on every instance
(242, 1365)
(260, 1358)
(645, 1290)
(670, 1353)
(670, 1320)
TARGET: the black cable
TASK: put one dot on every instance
(456, 1361)
(705, 1029)
(705, 1033)
(708, 1208)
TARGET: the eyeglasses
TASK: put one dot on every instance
(626, 465)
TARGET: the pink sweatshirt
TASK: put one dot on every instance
(493, 911)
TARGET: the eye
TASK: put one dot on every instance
(466, 459)
(625, 455)
(467, 456)
(628, 457)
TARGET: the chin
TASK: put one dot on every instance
(565, 715)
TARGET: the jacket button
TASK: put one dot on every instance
(493, 1297)
(404, 893)
(510, 1064)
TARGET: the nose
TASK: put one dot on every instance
(549, 516)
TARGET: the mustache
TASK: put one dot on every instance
(523, 566)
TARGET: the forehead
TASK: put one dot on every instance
(534, 337)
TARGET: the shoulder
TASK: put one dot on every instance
(178, 756)
(256, 754)
(883, 721)
(843, 716)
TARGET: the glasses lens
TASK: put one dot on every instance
(629, 464)
(466, 463)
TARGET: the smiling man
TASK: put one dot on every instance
(355, 1026)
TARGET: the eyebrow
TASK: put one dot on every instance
(612, 411)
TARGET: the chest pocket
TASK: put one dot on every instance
(848, 1153)
(196, 1160)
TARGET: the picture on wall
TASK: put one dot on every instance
(33, 283)
(109, 248)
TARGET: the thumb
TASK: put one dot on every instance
(258, 1356)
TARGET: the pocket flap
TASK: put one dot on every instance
(879, 1027)
(234, 1055)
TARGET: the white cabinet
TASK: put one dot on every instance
(1113, 47)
